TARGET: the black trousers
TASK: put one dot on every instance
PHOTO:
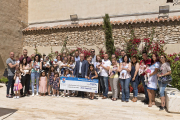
(10, 84)
(25, 81)
(80, 93)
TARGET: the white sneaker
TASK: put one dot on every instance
(37, 94)
(68, 96)
(17, 97)
(63, 96)
(57, 95)
(33, 94)
(53, 95)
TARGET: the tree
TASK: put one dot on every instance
(109, 42)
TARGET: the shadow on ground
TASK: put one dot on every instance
(5, 111)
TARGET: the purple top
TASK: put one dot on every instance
(28, 59)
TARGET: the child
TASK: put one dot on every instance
(17, 84)
(63, 67)
(123, 72)
(148, 72)
(91, 75)
(100, 68)
(43, 83)
(17, 61)
(71, 67)
(56, 83)
(50, 77)
(141, 68)
(113, 70)
(66, 74)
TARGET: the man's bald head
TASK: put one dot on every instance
(11, 55)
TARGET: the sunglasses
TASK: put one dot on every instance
(92, 51)
(162, 57)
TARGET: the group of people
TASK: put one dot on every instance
(124, 71)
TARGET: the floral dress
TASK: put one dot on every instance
(51, 77)
(55, 83)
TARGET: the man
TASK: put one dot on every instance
(77, 58)
(106, 63)
(123, 53)
(11, 71)
(113, 56)
(93, 56)
(146, 61)
(80, 70)
(44, 57)
(25, 52)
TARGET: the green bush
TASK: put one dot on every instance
(175, 69)
(3, 80)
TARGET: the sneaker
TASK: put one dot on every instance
(53, 95)
(17, 97)
(37, 94)
(68, 96)
(161, 108)
(63, 96)
(57, 95)
(33, 94)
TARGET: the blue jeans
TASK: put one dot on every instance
(104, 83)
(35, 75)
(10, 84)
(125, 88)
(162, 87)
(135, 88)
(145, 88)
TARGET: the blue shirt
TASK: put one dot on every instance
(77, 58)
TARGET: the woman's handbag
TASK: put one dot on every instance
(5, 73)
(165, 79)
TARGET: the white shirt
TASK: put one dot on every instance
(80, 65)
(93, 59)
(104, 72)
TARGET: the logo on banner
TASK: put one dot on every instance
(63, 80)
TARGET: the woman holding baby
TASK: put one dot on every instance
(152, 80)
(125, 77)
(113, 79)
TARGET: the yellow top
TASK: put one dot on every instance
(116, 74)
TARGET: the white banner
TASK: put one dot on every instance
(79, 84)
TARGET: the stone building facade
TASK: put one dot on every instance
(92, 34)
(13, 18)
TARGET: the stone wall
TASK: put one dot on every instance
(13, 18)
(91, 36)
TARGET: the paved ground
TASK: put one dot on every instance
(73, 108)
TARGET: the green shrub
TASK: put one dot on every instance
(3, 80)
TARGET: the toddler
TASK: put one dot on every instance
(43, 83)
(148, 72)
(66, 74)
(56, 83)
(113, 70)
(100, 68)
(142, 68)
(17, 84)
(123, 72)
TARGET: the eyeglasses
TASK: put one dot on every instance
(92, 51)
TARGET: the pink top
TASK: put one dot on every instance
(128, 75)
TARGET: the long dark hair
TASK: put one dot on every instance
(89, 71)
(50, 70)
(157, 59)
(38, 57)
(42, 73)
(23, 60)
(127, 58)
(136, 60)
(65, 72)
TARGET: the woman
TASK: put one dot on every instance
(96, 64)
(25, 81)
(73, 59)
(134, 76)
(125, 77)
(114, 80)
(165, 70)
(58, 64)
(152, 81)
(35, 73)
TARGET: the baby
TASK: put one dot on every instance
(113, 70)
(71, 67)
(148, 72)
(141, 68)
(123, 72)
